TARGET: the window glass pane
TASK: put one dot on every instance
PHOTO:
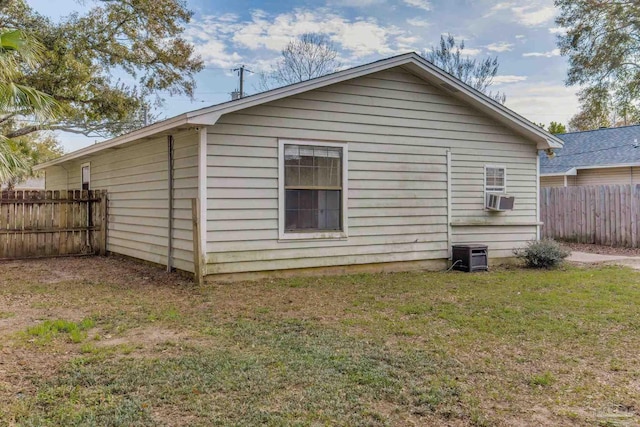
(291, 155)
(313, 210)
(333, 199)
(307, 200)
(335, 173)
(291, 220)
(333, 220)
(85, 174)
(322, 178)
(291, 175)
(291, 200)
(309, 169)
(306, 176)
(307, 220)
(495, 178)
(306, 156)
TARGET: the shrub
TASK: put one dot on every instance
(542, 254)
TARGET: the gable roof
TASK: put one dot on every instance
(412, 62)
(594, 149)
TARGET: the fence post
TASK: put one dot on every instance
(197, 260)
(103, 223)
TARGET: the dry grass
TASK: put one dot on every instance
(512, 347)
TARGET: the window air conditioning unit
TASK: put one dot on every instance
(500, 202)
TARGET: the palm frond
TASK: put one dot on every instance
(25, 100)
(11, 163)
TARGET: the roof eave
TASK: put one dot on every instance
(569, 172)
(145, 132)
(209, 116)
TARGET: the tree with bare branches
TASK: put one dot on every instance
(309, 56)
(477, 74)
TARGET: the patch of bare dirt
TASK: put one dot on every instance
(72, 289)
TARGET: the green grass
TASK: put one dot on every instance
(46, 331)
(501, 348)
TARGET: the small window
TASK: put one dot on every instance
(86, 176)
(313, 190)
(495, 179)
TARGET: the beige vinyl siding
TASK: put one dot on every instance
(135, 176)
(472, 222)
(55, 178)
(552, 181)
(608, 176)
(398, 130)
(185, 188)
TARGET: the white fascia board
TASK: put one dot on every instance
(543, 138)
(145, 132)
(619, 165)
(570, 172)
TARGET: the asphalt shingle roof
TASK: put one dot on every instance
(601, 147)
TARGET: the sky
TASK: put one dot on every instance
(226, 34)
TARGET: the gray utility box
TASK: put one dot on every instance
(470, 257)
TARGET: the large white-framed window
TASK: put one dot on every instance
(85, 176)
(312, 189)
(495, 180)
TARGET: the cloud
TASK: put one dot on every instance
(500, 47)
(530, 13)
(417, 22)
(420, 4)
(542, 101)
(508, 79)
(470, 51)
(550, 54)
(209, 38)
(533, 15)
(501, 6)
(227, 39)
(558, 30)
(520, 36)
(354, 3)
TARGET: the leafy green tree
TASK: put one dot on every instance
(556, 128)
(107, 66)
(19, 52)
(603, 47)
(32, 149)
(477, 74)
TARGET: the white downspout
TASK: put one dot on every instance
(202, 195)
(538, 195)
(449, 205)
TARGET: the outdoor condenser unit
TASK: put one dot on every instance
(470, 258)
(500, 202)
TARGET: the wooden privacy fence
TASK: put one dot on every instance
(604, 214)
(52, 223)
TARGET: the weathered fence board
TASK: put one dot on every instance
(52, 223)
(604, 214)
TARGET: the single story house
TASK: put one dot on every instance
(597, 157)
(381, 166)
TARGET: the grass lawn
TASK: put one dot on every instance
(109, 342)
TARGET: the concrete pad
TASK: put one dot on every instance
(589, 258)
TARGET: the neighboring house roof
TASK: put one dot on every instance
(594, 149)
(411, 61)
(35, 183)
